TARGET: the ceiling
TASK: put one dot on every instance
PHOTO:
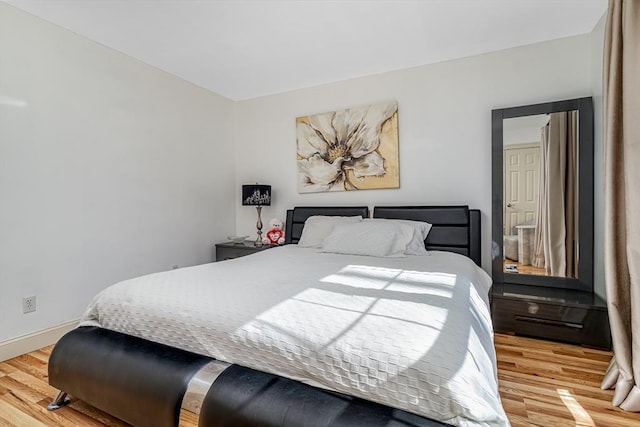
(244, 49)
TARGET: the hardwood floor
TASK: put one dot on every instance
(548, 384)
(523, 269)
(541, 384)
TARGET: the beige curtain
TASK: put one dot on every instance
(554, 241)
(622, 198)
(571, 196)
(541, 207)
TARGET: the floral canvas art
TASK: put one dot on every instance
(351, 149)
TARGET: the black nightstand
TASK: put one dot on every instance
(554, 314)
(230, 250)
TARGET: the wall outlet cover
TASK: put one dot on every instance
(29, 304)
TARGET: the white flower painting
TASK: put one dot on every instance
(352, 149)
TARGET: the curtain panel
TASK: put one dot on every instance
(621, 93)
(556, 209)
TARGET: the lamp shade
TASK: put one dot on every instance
(256, 195)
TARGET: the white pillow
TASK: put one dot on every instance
(318, 227)
(421, 231)
(387, 239)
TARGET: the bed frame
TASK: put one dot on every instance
(149, 384)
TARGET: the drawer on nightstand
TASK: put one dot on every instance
(229, 253)
(230, 250)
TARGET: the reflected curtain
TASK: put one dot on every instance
(621, 93)
(556, 224)
(538, 260)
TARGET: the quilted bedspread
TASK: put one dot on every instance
(413, 333)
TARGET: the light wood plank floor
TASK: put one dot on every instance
(523, 269)
(541, 384)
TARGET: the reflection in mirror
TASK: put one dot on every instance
(540, 194)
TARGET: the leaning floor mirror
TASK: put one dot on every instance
(542, 181)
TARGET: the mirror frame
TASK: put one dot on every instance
(584, 281)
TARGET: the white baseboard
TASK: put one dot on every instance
(35, 340)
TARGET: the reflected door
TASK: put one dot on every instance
(522, 163)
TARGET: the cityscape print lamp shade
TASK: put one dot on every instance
(256, 195)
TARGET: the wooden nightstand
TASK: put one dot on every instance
(230, 250)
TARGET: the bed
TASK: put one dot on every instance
(298, 337)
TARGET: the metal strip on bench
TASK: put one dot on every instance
(199, 386)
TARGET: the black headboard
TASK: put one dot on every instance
(454, 228)
(297, 216)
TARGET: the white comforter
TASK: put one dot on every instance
(413, 333)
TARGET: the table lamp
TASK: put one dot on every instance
(257, 195)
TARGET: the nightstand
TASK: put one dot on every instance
(554, 314)
(230, 250)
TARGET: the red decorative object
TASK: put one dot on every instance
(275, 235)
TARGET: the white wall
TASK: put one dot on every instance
(597, 54)
(523, 130)
(109, 169)
(444, 126)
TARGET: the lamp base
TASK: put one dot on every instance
(258, 243)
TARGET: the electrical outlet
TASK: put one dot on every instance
(29, 304)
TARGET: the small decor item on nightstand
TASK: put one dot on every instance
(237, 239)
(275, 234)
(257, 195)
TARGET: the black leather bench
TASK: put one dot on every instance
(143, 383)
(138, 381)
